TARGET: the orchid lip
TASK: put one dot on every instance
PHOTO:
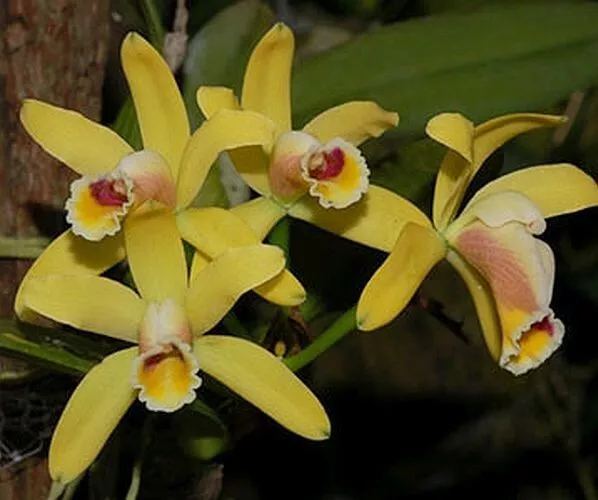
(98, 204)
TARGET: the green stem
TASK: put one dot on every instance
(22, 248)
(281, 236)
(343, 325)
(154, 23)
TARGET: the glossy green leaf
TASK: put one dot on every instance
(483, 64)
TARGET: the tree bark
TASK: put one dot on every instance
(55, 51)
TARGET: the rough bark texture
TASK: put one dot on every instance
(53, 50)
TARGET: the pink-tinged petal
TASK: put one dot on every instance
(519, 270)
(284, 173)
(151, 176)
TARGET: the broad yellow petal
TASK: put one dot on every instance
(216, 288)
(210, 100)
(555, 189)
(198, 262)
(261, 214)
(263, 380)
(89, 303)
(214, 230)
(155, 254)
(388, 292)
(90, 416)
(483, 301)
(228, 129)
(456, 172)
(376, 220)
(354, 121)
(267, 82)
(85, 146)
(69, 254)
(160, 109)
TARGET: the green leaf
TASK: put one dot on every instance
(41, 345)
(483, 64)
(219, 52)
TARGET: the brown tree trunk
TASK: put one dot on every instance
(53, 50)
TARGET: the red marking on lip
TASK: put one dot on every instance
(332, 165)
(109, 192)
(544, 325)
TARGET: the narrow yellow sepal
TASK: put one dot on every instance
(70, 254)
(90, 416)
(555, 189)
(263, 380)
(210, 100)
(85, 146)
(388, 292)
(376, 221)
(89, 303)
(214, 230)
(216, 288)
(228, 129)
(261, 214)
(160, 109)
(456, 172)
(267, 82)
(355, 122)
(155, 253)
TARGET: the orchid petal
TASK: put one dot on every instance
(69, 254)
(261, 214)
(160, 109)
(455, 132)
(214, 290)
(263, 380)
(267, 82)
(376, 220)
(354, 122)
(226, 130)
(214, 230)
(555, 189)
(85, 146)
(519, 270)
(417, 250)
(155, 253)
(89, 303)
(456, 172)
(483, 302)
(90, 416)
(210, 100)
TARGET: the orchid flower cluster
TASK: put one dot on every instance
(137, 206)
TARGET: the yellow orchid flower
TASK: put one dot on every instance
(491, 243)
(167, 321)
(171, 168)
(316, 174)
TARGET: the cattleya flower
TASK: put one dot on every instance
(115, 179)
(167, 321)
(301, 173)
(492, 243)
